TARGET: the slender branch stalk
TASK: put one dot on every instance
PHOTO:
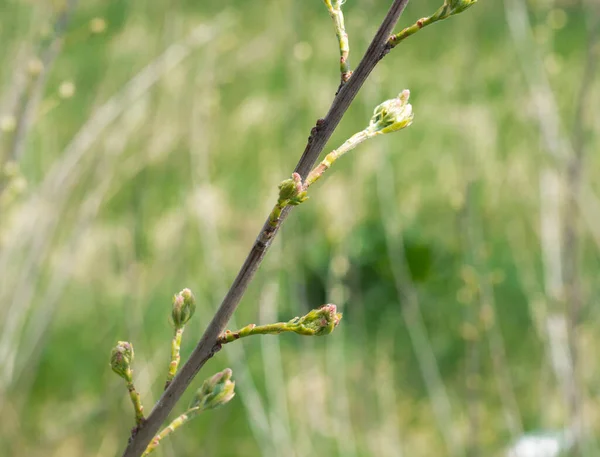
(215, 392)
(319, 136)
(252, 329)
(121, 358)
(135, 399)
(335, 11)
(444, 12)
(178, 422)
(330, 158)
(414, 28)
(175, 355)
(275, 215)
(321, 321)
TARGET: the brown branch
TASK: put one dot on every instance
(319, 137)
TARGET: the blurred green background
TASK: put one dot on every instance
(141, 146)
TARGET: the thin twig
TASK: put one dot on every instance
(319, 137)
(443, 12)
(174, 425)
(335, 11)
(175, 355)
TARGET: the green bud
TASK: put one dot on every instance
(287, 189)
(318, 322)
(458, 6)
(215, 391)
(121, 358)
(393, 114)
(184, 305)
(291, 191)
(300, 198)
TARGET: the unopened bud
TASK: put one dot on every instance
(394, 114)
(318, 322)
(215, 391)
(287, 189)
(291, 190)
(184, 305)
(121, 359)
(458, 6)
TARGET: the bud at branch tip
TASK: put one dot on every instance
(121, 359)
(392, 115)
(215, 391)
(184, 305)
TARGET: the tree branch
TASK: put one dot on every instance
(320, 134)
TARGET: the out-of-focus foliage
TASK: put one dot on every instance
(126, 183)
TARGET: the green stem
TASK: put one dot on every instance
(135, 398)
(291, 193)
(175, 356)
(335, 11)
(330, 158)
(178, 422)
(442, 13)
(276, 212)
(270, 329)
